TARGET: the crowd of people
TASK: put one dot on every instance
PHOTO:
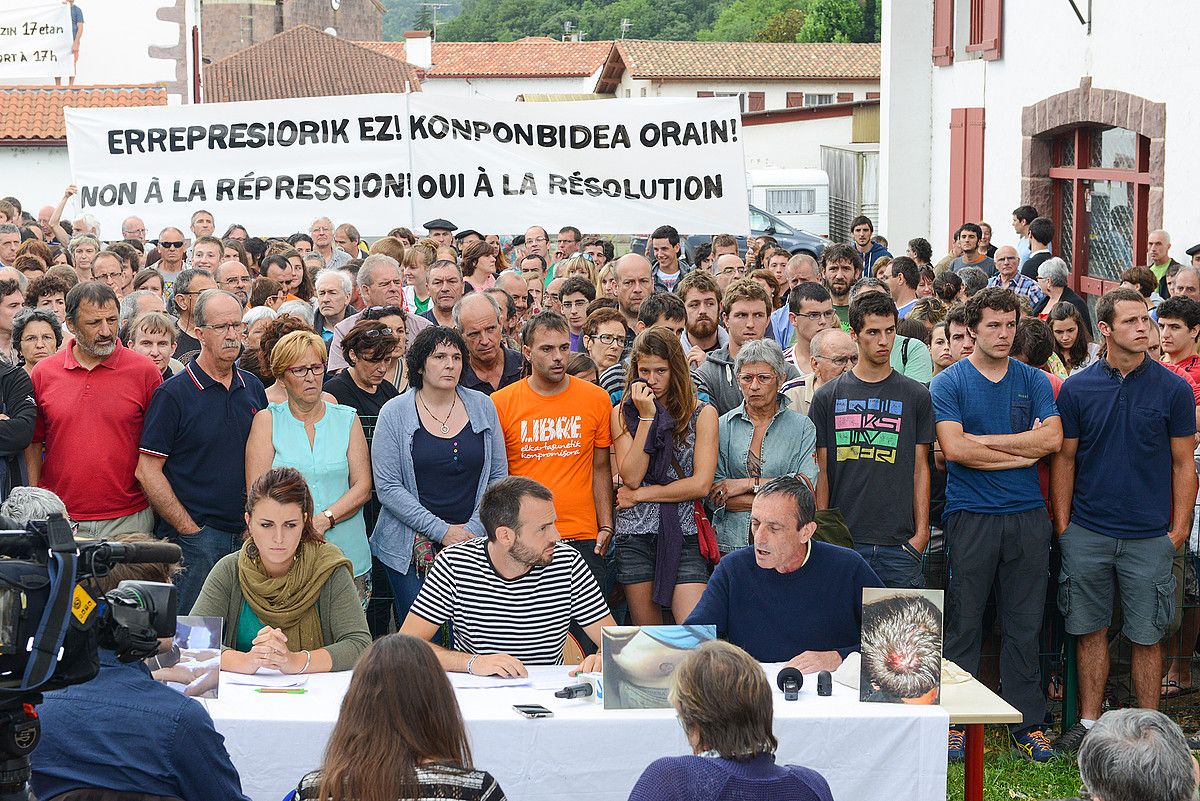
(498, 445)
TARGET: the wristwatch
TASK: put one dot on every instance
(329, 516)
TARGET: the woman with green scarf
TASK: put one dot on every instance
(287, 597)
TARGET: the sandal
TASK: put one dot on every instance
(1171, 689)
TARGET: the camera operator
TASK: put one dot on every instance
(124, 731)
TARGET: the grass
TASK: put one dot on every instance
(1009, 777)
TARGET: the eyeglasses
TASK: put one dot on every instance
(105, 276)
(306, 370)
(376, 333)
(749, 379)
(164, 244)
(537, 239)
(818, 315)
(841, 361)
(575, 304)
(223, 328)
(606, 339)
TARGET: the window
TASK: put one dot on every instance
(811, 99)
(643, 91)
(628, 93)
(741, 96)
(980, 23)
(1101, 191)
(791, 201)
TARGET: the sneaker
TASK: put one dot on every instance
(1033, 745)
(1069, 741)
(957, 750)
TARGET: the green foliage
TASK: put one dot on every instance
(783, 27)
(1011, 778)
(408, 15)
(506, 20)
(741, 20)
(833, 21)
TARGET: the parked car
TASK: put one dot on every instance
(791, 239)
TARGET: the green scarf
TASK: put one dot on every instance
(289, 602)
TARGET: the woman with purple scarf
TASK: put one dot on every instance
(665, 440)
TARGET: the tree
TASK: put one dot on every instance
(832, 21)
(783, 27)
(741, 20)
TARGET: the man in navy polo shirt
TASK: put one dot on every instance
(1122, 488)
(995, 418)
(193, 448)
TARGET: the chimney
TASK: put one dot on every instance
(418, 49)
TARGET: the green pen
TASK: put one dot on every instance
(280, 690)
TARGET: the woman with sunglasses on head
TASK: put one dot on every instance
(321, 439)
(396, 319)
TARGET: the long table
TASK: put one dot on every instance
(865, 751)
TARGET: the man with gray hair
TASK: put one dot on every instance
(321, 232)
(333, 288)
(139, 302)
(233, 276)
(1187, 283)
(189, 284)
(1137, 755)
(832, 353)
(193, 447)
(10, 240)
(380, 283)
(490, 366)
(31, 503)
(974, 279)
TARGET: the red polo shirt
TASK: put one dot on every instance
(91, 422)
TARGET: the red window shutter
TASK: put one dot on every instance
(966, 166)
(704, 94)
(993, 29)
(845, 97)
(943, 32)
(872, 95)
(795, 99)
(758, 101)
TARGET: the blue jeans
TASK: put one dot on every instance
(200, 552)
(898, 566)
(405, 587)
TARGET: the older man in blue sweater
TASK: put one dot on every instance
(786, 598)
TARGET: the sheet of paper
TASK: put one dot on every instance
(466, 681)
(265, 678)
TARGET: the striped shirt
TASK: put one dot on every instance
(1021, 284)
(437, 783)
(526, 617)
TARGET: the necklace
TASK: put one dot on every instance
(445, 424)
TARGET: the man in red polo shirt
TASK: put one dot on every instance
(92, 397)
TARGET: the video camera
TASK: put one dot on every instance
(51, 625)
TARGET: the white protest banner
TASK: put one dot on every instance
(382, 161)
(35, 40)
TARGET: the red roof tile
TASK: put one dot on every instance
(533, 57)
(35, 113)
(305, 62)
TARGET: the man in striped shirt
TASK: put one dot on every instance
(1008, 275)
(512, 596)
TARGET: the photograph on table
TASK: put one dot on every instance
(901, 646)
(192, 665)
(639, 662)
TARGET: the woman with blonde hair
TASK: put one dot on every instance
(323, 440)
(725, 706)
(581, 266)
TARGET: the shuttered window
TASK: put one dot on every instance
(966, 166)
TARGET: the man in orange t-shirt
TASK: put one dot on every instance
(556, 431)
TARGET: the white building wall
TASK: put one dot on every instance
(37, 176)
(775, 91)
(793, 144)
(506, 88)
(1146, 51)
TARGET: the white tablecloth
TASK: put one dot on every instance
(865, 751)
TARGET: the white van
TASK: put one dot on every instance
(798, 197)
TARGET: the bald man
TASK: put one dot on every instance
(833, 352)
(1009, 276)
(728, 268)
(635, 283)
(1158, 259)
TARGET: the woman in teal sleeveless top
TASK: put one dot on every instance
(323, 440)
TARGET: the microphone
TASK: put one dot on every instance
(575, 691)
(824, 683)
(790, 681)
(139, 552)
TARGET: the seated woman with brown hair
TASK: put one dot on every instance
(399, 735)
(726, 709)
(287, 597)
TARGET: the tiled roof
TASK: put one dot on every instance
(305, 62)
(740, 61)
(534, 57)
(35, 113)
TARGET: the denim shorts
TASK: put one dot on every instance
(636, 554)
(1095, 567)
